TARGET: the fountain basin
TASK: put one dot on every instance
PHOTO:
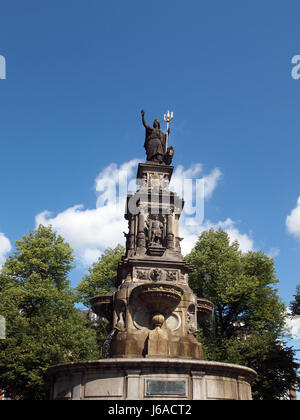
(102, 305)
(158, 298)
(150, 379)
(205, 309)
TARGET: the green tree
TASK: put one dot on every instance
(248, 326)
(43, 327)
(295, 304)
(102, 275)
(101, 279)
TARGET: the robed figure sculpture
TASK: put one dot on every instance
(156, 143)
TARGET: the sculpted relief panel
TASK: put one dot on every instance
(156, 274)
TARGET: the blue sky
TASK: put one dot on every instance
(79, 72)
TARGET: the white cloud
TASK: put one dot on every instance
(87, 230)
(190, 233)
(293, 220)
(210, 181)
(90, 231)
(246, 243)
(293, 324)
(273, 253)
(5, 247)
(113, 183)
(90, 255)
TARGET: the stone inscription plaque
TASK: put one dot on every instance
(165, 387)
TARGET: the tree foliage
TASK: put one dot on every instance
(43, 327)
(100, 280)
(102, 275)
(295, 304)
(248, 326)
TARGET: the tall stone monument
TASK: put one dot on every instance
(152, 350)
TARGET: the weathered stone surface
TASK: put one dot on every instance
(111, 384)
(153, 278)
(127, 379)
(148, 276)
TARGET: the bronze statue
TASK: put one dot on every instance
(156, 143)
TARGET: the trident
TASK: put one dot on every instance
(168, 117)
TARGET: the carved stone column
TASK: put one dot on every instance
(141, 239)
(131, 234)
(170, 231)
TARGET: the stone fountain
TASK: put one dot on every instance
(152, 350)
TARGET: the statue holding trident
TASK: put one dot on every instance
(156, 143)
(168, 117)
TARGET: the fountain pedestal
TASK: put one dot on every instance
(151, 379)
